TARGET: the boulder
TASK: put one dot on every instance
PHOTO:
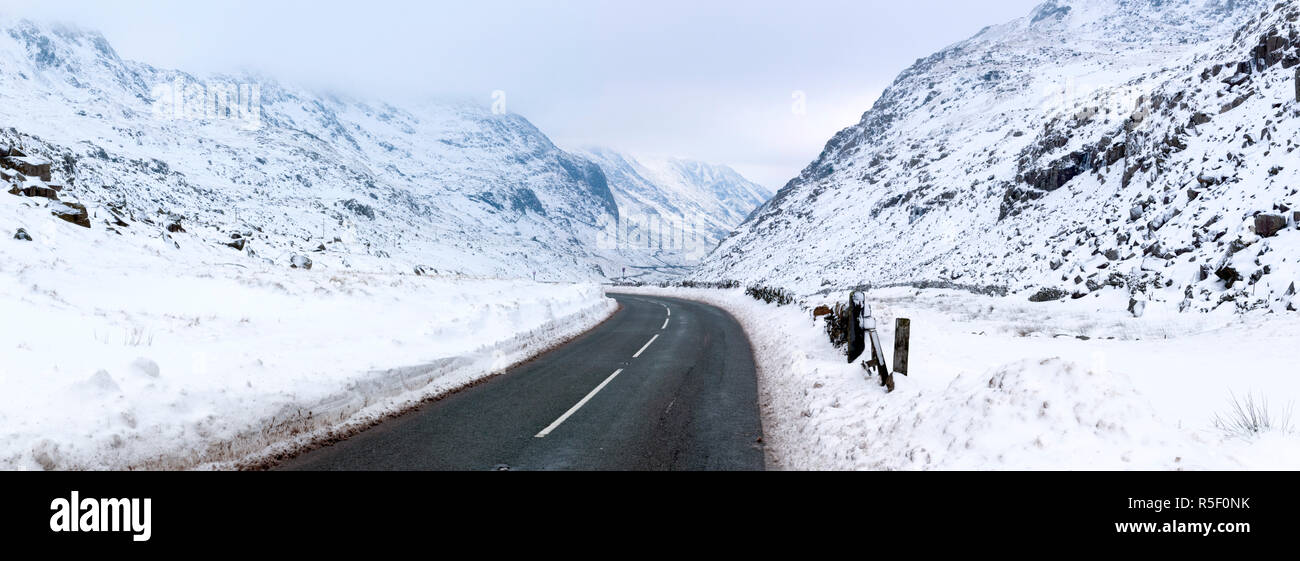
(72, 212)
(1137, 307)
(1267, 225)
(30, 167)
(237, 244)
(300, 262)
(1112, 254)
(1048, 295)
(41, 191)
(175, 226)
(22, 235)
(1228, 275)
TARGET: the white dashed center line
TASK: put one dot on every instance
(647, 345)
(575, 408)
(602, 385)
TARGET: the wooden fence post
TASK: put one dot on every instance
(902, 343)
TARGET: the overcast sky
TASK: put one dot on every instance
(707, 80)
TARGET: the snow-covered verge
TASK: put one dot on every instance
(125, 352)
(998, 383)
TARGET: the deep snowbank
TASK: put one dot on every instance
(126, 352)
(994, 387)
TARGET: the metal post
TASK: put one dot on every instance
(878, 360)
(856, 334)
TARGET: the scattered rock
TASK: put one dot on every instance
(1048, 295)
(1228, 275)
(72, 212)
(22, 235)
(1267, 225)
(28, 166)
(300, 262)
(1137, 307)
(40, 191)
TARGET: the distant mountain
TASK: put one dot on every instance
(449, 187)
(674, 211)
(1141, 146)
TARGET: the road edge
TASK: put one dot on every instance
(300, 443)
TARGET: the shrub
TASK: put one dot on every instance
(1251, 417)
(770, 295)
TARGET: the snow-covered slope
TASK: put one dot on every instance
(674, 211)
(451, 188)
(1093, 145)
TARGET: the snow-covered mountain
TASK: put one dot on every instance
(674, 211)
(1134, 145)
(445, 187)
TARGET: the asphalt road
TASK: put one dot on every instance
(665, 384)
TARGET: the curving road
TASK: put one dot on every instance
(664, 384)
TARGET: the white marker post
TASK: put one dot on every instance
(877, 352)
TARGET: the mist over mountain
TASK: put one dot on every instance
(442, 187)
(674, 211)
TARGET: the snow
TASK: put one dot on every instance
(124, 351)
(932, 185)
(149, 341)
(1002, 384)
